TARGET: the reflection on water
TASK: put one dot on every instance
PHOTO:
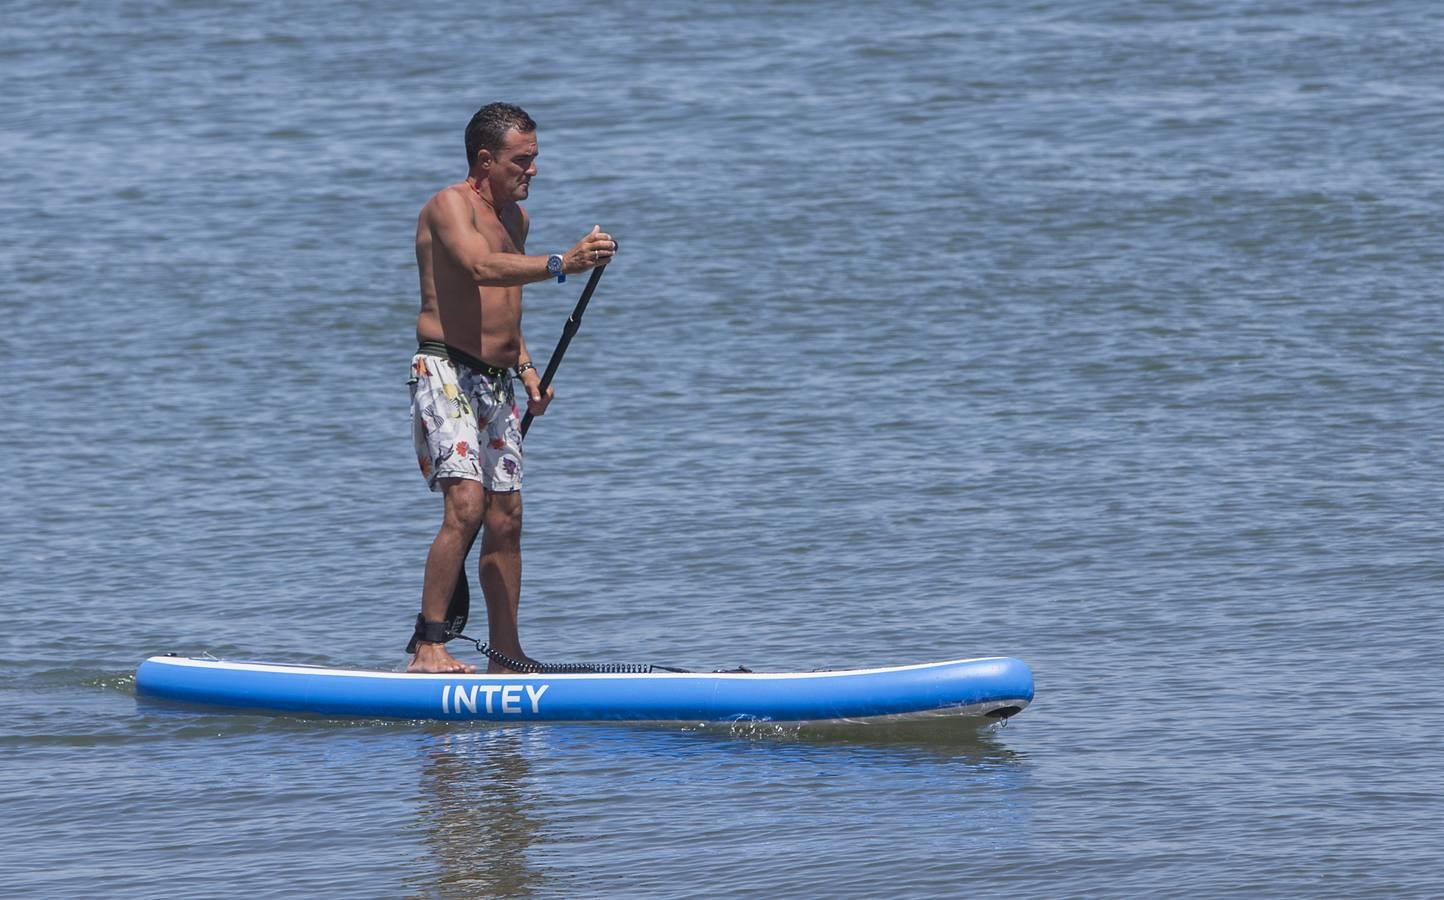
(974, 741)
(479, 813)
(512, 811)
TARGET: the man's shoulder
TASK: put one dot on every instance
(447, 203)
(447, 196)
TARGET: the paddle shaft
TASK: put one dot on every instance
(574, 321)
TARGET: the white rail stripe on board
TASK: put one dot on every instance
(291, 669)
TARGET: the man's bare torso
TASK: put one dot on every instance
(481, 320)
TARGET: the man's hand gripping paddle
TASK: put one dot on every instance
(459, 608)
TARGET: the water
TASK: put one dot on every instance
(1101, 335)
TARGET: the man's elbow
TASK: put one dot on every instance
(486, 275)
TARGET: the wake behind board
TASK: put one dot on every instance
(997, 687)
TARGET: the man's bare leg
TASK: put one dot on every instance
(464, 502)
(501, 574)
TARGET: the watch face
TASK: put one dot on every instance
(554, 264)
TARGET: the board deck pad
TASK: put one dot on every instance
(994, 686)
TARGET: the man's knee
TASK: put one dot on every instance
(465, 506)
(503, 517)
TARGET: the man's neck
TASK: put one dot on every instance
(481, 188)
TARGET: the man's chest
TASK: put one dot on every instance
(505, 235)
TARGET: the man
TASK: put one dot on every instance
(471, 253)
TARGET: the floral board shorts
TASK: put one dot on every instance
(464, 420)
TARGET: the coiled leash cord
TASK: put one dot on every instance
(541, 668)
(440, 633)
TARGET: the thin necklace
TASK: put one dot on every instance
(477, 191)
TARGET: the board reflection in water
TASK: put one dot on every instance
(479, 815)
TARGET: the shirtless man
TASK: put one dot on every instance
(471, 252)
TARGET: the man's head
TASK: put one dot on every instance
(487, 129)
(501, 145)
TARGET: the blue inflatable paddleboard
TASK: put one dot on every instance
(997, 687)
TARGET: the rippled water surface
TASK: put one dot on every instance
(1102, 335)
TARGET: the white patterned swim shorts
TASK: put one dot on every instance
(464, 420)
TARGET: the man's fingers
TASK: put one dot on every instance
(596, 249)
(537, 406)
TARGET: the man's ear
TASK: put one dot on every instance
(484, 158)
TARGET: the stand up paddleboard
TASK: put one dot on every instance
(996, 687)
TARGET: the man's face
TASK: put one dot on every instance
(514, 166)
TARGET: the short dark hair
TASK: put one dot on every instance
(487, 129)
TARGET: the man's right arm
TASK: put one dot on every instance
(451, 224)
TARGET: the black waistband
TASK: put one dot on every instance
(446, 351)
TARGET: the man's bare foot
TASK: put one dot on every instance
(433, 658)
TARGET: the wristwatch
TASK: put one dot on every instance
(554, 266)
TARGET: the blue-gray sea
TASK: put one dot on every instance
(1106, 335)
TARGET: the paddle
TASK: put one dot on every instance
(459, 608)
(574, 321)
